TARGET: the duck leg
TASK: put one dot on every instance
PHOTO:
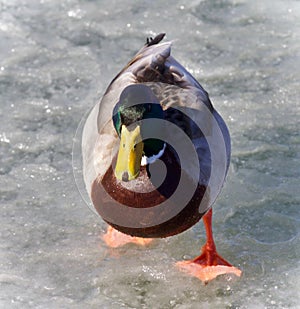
(115, 239)
(209, 264)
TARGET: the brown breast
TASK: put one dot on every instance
(161, 202)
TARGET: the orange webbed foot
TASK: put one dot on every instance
(208, 266)
(115, 239)
(207, 273)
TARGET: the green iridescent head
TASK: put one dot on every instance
(137, 103)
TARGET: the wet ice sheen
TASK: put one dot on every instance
(56, 60)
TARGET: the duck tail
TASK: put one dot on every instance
(150, 41)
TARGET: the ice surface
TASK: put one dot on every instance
(57, 58)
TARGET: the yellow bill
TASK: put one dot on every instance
(130, 154)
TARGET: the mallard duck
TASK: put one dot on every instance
(155, 155)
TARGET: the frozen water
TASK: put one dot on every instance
(57, 58)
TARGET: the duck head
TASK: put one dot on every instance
(137, 102)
